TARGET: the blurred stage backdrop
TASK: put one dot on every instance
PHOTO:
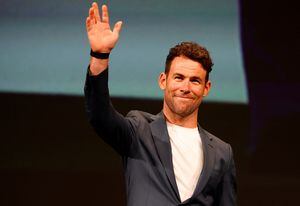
(49, 155)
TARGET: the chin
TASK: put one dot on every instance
(184, 112)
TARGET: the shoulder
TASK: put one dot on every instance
(216, 140)
(141, 116)
(221, 147)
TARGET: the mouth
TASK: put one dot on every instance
(185, 97)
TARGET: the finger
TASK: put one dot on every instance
(117, 27)
(92, 15)
(88, 23)
(105, 16)
(96, 11)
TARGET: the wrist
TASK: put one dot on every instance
(99, 55)
(97, 66)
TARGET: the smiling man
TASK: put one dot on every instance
(168, 158)
(185, 82)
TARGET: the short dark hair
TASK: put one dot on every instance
(192, 51)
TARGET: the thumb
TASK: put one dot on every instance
(117, 27)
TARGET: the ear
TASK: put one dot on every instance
(207, 88)
(162, 81)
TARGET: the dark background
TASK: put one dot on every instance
(49, 154)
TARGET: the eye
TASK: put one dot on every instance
(178, 77)
(197, 81)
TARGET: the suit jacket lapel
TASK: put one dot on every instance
(209, 159)
(162, 142)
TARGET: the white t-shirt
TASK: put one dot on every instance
(187, 156)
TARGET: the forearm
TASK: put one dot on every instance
(111, 126)
(97, 66)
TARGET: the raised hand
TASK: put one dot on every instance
(102, 39)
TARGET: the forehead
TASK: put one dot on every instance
(185, 66)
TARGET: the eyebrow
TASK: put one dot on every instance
(177, 74)
(192, 77)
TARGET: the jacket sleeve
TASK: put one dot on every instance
(112, 127)
(227, 189)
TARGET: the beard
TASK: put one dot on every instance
(182, 108)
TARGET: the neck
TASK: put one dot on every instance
(189, 121)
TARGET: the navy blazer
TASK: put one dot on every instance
(142, 140)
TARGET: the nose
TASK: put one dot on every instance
(185, 87)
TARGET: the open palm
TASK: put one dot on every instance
(102, 39)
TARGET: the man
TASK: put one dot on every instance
(168, 158)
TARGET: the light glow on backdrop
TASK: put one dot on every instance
(44, 48)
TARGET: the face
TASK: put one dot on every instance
(184, 87)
